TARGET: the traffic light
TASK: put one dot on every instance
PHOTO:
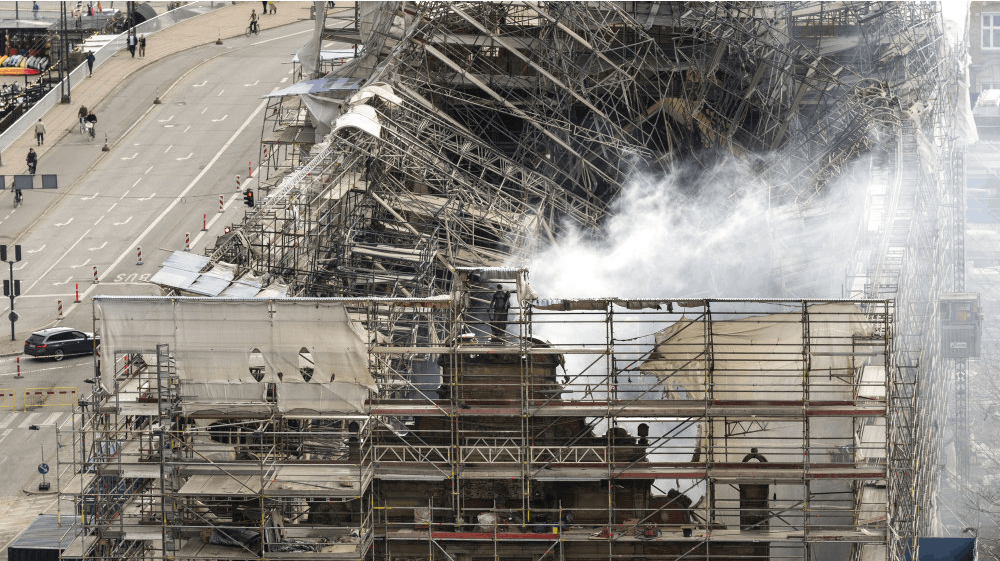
(248, 197)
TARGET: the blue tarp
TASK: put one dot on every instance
(947, 549)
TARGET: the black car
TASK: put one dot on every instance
(59, 342)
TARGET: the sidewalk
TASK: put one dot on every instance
(223, 23)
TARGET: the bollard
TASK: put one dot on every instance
(77, 293)
(204, 222)
(18, 368)
(95, 275)
(59, 305)
(187, 241)
(138, 251)
(220, 203)
(237, 182)
(249, 169)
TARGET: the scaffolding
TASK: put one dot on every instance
(466, 135)
(560, 429)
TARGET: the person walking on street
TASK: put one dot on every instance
(263, 7)
(142, 46)
(272, 7)
(82, 115)
(32, 160)
(34, 10)
(132, 42)
(90, 63)
(40, 132)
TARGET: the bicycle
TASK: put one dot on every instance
(252, 29)
(18, 198)
(90, 129)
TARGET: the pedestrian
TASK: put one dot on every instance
(90, 63)
(132, 42)
(272, 7)
(81, 115)
(40, 132)
(499, 306)
(34, 9)
(142, 46)
(263, 7)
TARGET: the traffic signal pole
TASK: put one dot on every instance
(12, 287)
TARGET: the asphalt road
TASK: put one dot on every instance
(167, 166)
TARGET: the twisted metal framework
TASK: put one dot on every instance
(482, 129)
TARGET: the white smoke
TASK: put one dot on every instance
(705, 235)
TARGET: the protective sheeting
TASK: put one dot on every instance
(212, 339)
(764, 357)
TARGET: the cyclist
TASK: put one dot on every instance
(17, 196)
(253, 22)
(32, 160)
(82, 115)
(91, 122)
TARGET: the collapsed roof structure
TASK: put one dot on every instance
(457, 138)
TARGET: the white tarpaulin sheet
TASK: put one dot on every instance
(764, 357)
(212, 339)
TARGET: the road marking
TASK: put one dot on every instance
(137, 182)
(29, 420)
(187, 128)
(147, 198)
(123, 195)
(282, 37)
(65, 223)
(63, 282)
(84, 264)
(127, 220)
(57, 261)
(283, 80)
(53, 419)
(199, 85)
(102, 246)
(149, 169)
(21, 266)
(168, 148)
(167, 120)
(98, 221)
(132, 157)
(7, 421)
(94, 196)
(251, 85)
(203, 109)
(6, 433)
(220, 120)
(185, 157)
(113, 205)
(36, 250)
(220, 93)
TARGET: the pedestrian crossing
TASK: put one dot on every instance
(17, 421)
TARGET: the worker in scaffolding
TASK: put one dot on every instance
(499, 306)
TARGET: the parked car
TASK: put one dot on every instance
(60, 342)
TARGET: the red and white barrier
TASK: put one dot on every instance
(138, 251)
(59, 305)
(77, 287)
(187, 241)
(95, 275)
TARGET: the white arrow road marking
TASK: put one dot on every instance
(185, 157)
(199, 85)
(147, 198)
(23, 264)
(137, 182)
(250, 85)
(132, 157)
(65, 223)
(169, 126)
(84, 264)
(99, 248)
(127, 220)
(63, 282)
(221, 119)
(94, 196)
(171, 118)
(36, 250)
